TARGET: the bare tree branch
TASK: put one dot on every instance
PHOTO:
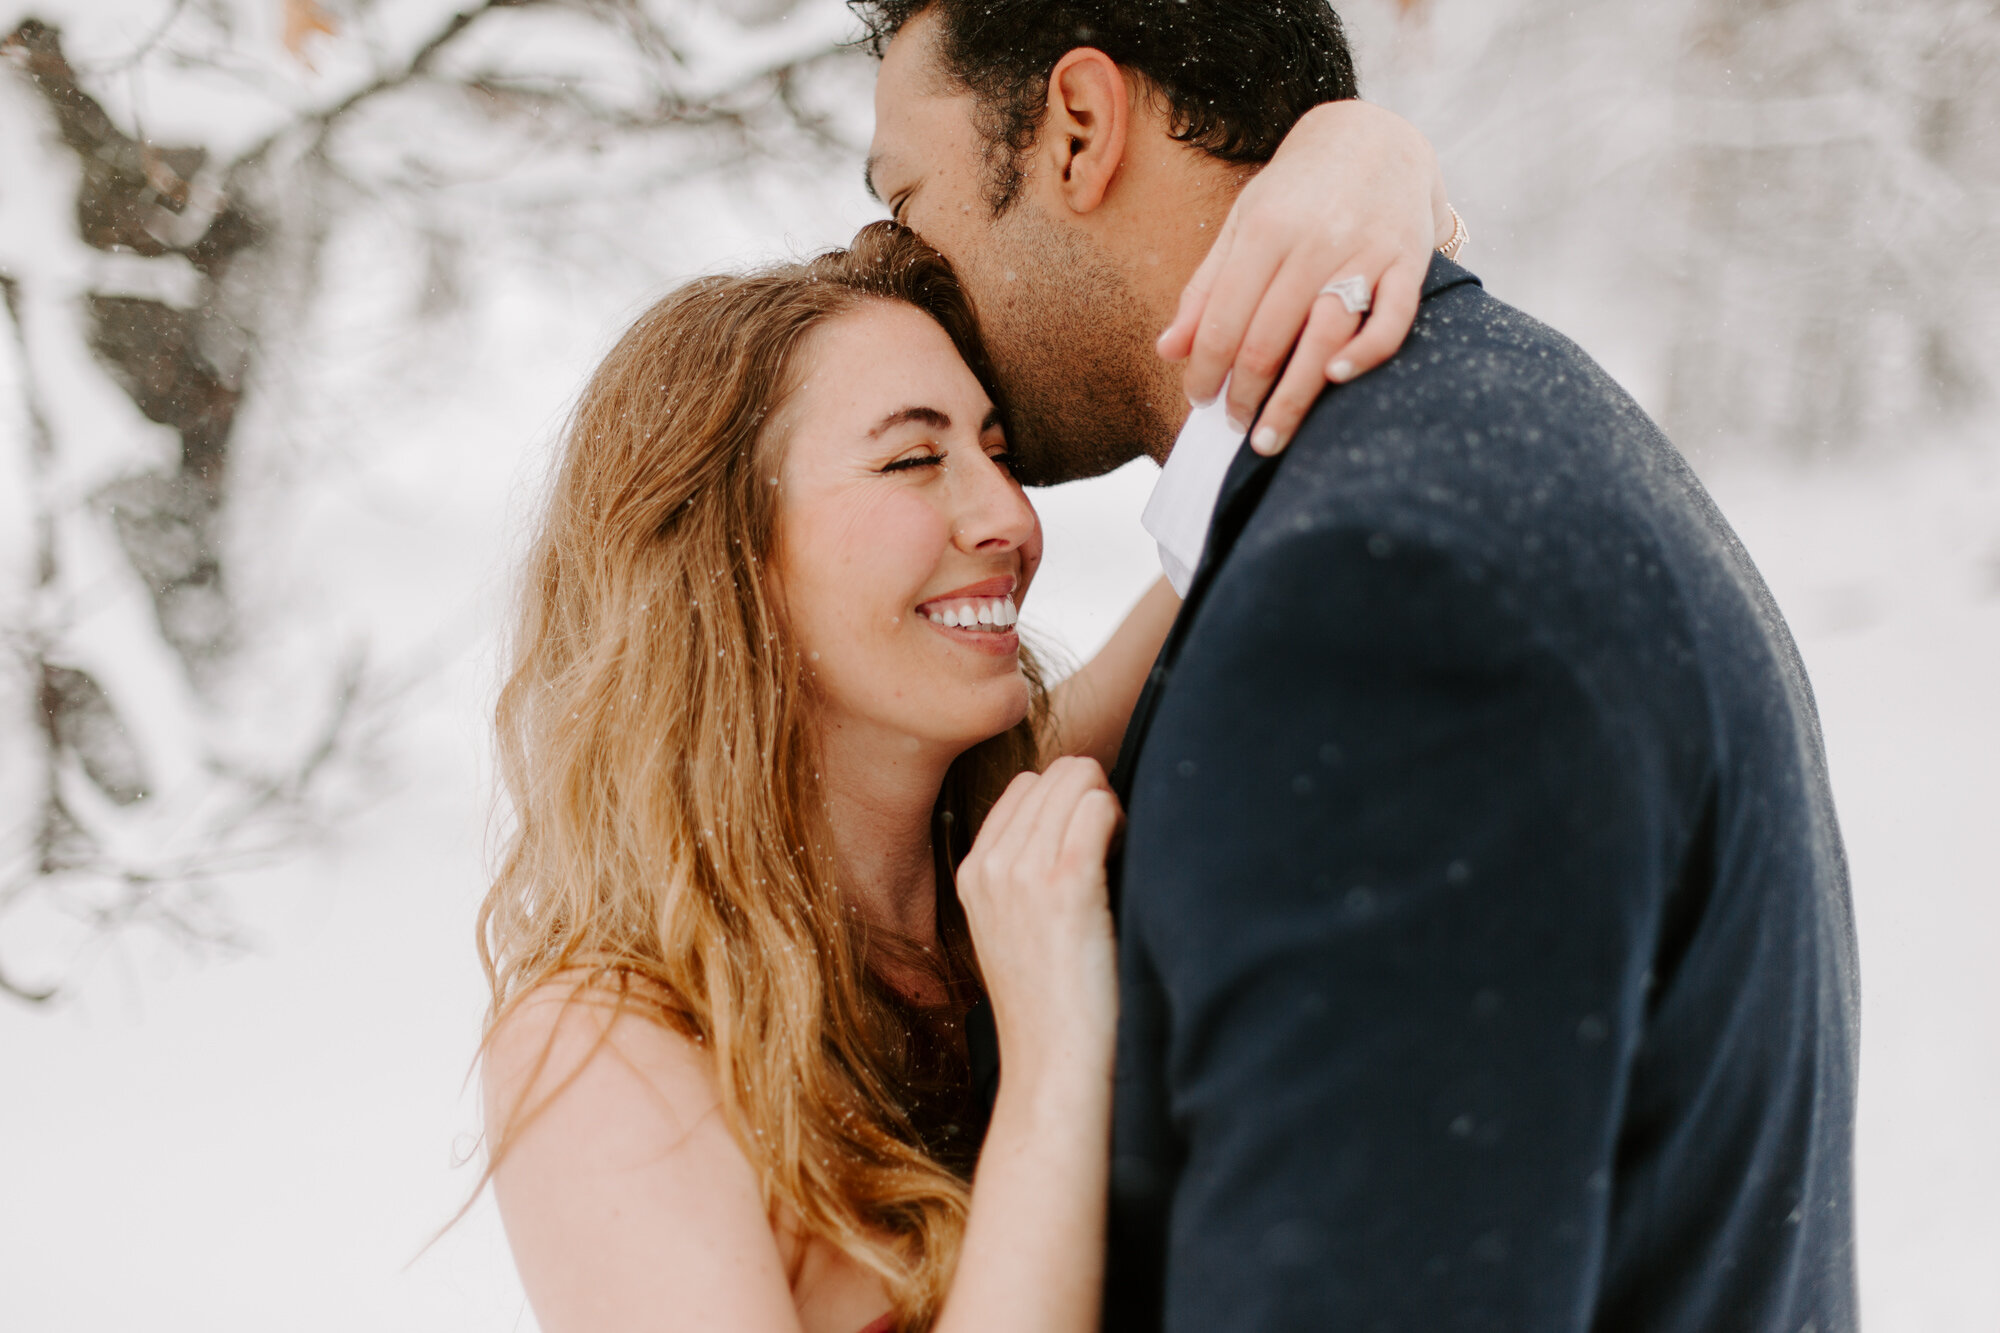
(251, 227)
(146, 47)
(418, 64)
(41, 440)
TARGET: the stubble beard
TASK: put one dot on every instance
(1068, 339)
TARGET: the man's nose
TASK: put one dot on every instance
(993, 513)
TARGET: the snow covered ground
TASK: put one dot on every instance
(1890, 575)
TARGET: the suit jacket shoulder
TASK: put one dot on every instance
(1477, 707)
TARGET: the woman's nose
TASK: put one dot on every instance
(994, 514)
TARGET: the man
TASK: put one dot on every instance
(1486, 949)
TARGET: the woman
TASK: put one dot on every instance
(767, 685)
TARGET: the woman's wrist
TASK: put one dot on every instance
(1060, 1118)
(1060, 1081)
(1444, 218)
(1445, 223)
(1459, 236)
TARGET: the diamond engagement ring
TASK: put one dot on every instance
(1355, 293)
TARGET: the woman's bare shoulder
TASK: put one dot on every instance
(623, 1190)
(567, 1039)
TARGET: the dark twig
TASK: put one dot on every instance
(417, 65)
(41, 440)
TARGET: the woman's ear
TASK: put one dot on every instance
(1084, 132)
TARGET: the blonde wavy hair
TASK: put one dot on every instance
(658, 740)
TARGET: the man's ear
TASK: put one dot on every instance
(1084, 132)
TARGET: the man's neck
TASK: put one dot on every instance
(1156, 227)
(1166, 254)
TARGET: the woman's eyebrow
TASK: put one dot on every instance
(924, 416)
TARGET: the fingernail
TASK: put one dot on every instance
(1209, 401)
(1236, 423)
(1340, 372)
(1265, 441)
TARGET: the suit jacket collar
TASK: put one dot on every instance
(1244, 485)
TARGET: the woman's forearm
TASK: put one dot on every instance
(1033, 1258)
(1036, 900)
(1090, 709)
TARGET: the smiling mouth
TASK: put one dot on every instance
(985, 611)
(993, 615)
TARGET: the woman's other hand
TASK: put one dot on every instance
(1354, 191)
(1036, 900)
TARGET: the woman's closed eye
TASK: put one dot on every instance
(911, 461)
(931, 456)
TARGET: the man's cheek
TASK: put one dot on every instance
(953, 232)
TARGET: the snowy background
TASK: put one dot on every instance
(294, 305)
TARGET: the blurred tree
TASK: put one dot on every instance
(144, 284)
(1770, 216)
(1838, 167)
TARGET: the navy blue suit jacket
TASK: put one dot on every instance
(1487, 955)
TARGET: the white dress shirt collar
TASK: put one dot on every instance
(1184, 498)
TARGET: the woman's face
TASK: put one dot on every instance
(905, 546)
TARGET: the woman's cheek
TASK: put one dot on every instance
(1031, 556)
(897, 543)
(850, 540)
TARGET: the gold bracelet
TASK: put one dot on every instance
(1459, 236)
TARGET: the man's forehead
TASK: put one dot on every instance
(911, 79)
(911, 62)
(917, 108)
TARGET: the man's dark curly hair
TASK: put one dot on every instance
(1236, 75)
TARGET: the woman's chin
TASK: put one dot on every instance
(990, 712)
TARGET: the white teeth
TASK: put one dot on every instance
(992, 613)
